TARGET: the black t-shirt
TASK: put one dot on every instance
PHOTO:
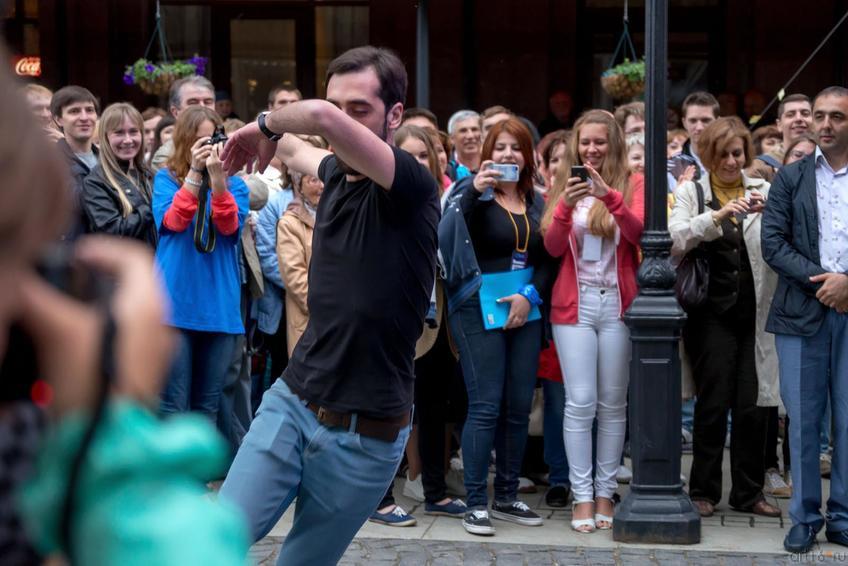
(370, 281)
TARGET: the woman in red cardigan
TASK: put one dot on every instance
(594, 226)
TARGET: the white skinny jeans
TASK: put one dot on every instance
(594, 355)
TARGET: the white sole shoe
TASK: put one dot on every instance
(527, 522)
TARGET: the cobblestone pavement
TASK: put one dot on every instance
(401, 552)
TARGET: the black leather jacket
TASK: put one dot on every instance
(78, 171)
(104, 213)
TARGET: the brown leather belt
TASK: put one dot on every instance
(386, 430)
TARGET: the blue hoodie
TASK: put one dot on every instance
(204, 288)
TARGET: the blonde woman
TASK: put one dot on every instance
(593, 223)
(116, 195)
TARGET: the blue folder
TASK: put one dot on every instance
(498, 285)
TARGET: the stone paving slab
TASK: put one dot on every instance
(728, 538)
(366, 551)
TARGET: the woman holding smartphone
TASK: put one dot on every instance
(491, 227)
(734, 362)
(593, 223)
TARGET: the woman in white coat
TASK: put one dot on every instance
(733, 359)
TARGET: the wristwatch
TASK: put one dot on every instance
(268, 133)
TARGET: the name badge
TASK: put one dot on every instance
(519, 260)
(592, 247)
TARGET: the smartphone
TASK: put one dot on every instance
(754, 200)
(580, 171)
(509, 171)
(677, 165)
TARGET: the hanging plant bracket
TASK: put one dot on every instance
(156, 78)
(627, 79)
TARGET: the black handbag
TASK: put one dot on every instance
(693, 272)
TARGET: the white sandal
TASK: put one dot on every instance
(577, 524)
(601, 518)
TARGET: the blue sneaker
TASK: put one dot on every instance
(397, 517)
(453, 508)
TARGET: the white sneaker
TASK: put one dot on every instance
(414, 489)
(775, 486)
(456, 462)
(624, 474)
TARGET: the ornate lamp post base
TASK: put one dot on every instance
(656, 510)
(657, 515)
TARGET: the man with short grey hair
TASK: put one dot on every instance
(464, 130)
(189, 91)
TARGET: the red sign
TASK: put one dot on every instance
(28, 66)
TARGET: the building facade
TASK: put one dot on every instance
(482, 52)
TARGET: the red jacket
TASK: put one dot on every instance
(561, 242)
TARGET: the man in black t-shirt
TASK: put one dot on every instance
(332, 430)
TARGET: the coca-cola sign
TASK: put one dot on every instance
(28, 66)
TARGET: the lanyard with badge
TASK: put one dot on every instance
(519, 254)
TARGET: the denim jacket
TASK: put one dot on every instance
(269, 307)
(460, 269)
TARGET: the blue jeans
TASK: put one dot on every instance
(687, 414)
(824, 437)
(236, 410)
(499, 368)
(337, 475)
(810, 367)
(197, 374)
(555, 458)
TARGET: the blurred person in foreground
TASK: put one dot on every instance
(113, 520)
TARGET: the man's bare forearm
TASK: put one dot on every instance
(304, 117)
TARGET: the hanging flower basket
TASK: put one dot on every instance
(156, 78)
(624, 81)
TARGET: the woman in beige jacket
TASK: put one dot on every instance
(294, 251)
(733, 359)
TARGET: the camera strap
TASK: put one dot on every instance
(202, 220)
(107, 374)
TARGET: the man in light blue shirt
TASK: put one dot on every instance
(270, 307)
(805, 240)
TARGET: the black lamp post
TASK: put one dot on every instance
(656, 510)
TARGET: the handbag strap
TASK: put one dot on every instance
(699, 191)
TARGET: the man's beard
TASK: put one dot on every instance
(347, 169)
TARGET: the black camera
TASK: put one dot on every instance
(218, 137)
(19, 368)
